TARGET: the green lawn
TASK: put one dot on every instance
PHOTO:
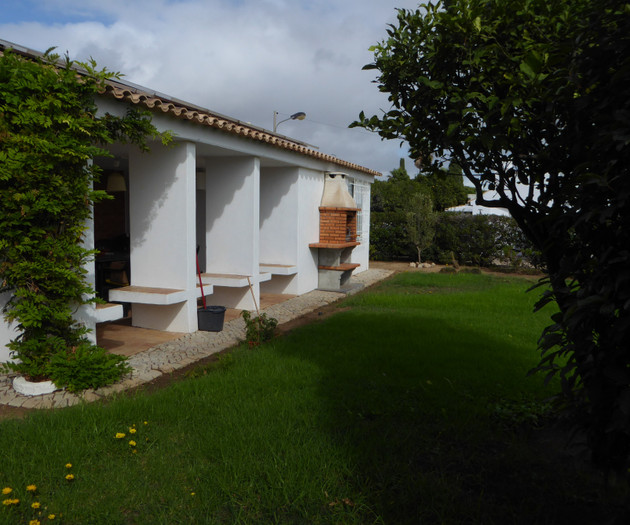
(397, 409)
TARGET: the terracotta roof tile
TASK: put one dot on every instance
(206, 118)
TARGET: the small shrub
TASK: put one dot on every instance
(86, 366)
(476, 271)
(258, 329)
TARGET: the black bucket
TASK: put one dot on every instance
(210, 318)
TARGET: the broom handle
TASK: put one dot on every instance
(251, 289)
(203, 297)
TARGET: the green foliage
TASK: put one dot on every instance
(396, 203)
(446, 187)
(49, 133)
(476, 240)
(479, 240)
(420, 222)
(530, 97)
(258, 329)
(86, 367)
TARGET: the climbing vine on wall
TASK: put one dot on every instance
(49, 132)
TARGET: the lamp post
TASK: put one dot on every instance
(300, 115)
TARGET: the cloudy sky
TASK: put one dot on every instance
(241, 58)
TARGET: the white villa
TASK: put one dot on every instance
(251, 203)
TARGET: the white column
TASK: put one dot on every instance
(162, 233)
(311, 189)
(86, 313)
(279, 225)
(232, 226)
(7, 331)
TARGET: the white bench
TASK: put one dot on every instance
(108, 312)
(279, 269)
(147, 295)
(231, 280)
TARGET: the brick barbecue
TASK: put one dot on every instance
(337, 233)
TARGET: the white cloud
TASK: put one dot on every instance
(242, 58)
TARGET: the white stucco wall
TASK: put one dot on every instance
(279, 226)
(232, 225)
(162, 232)
(278, 215)
(310, 190)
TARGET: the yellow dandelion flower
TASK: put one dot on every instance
(146, 422)
(68, 465)
(132, 430)
(192, 493)
(135, 450)
(7, 490)
(51, 517)
(31, 488)
(119, 435)
(6, 502)
(132, 443)
(34, 522)
(70, 477)
(35, 505)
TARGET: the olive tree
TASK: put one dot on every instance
(529, 97)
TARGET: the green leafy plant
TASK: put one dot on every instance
(420, 223)
(86, 367)
(49, 132)
(258, 329)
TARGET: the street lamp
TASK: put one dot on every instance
(300, 115)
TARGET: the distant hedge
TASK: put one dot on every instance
(478, 240)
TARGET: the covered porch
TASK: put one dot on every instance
(122, 338)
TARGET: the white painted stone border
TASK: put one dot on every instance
(29, 388)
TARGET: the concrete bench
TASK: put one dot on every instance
(108, 312)
(208, 289)
(231, 280)
(279, 269)
(147, 295)
(343, 267)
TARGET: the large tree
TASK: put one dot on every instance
(445, 186)
(530, 97)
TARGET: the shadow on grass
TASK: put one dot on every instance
(409, 400)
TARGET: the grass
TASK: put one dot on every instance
(409, 405)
